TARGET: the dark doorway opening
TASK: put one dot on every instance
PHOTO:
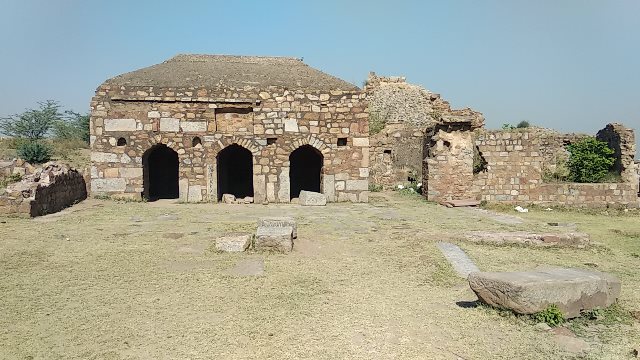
(235, 172)
(306, 170)
(160, 166)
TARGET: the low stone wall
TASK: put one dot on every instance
(48, 190)
(514, 167)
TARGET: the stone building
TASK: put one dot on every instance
(196, 127)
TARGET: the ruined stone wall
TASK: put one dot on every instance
(516, 162)
(48, 190)
(448, 170)
(271, 123)
(400, 114)
(623, 143)
(514, 166)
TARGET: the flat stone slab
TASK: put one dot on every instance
(572, 290)
(278, 238)
(248, 267)
(461, 263)
(280, 221)
(233, 242)
(310, 198)
(574, 239)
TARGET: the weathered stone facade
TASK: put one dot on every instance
(400, 115)
(216, 114)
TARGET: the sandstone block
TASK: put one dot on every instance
(274, 238)
(280, 221)
(108, 185)
(572, 290)
(233, 242)
(310, 198)
(120, 124)
(169, 124)
(357, 184)
(193, 126)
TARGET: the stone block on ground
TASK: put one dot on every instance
(248, 200)
(274, 238)
(310, 198)
(574, 239)
(233, 242)
(228, 198)
(280, 221)
(572, 290)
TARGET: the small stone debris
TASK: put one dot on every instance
(460, 203)
(233, 242)
(228, 198)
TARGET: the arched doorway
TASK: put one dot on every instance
(235, 172)
(160, 167)
(306, 170)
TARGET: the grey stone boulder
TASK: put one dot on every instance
(274, 238)
(233, 242)
(280, 221)
(310, 198)
(572, 290)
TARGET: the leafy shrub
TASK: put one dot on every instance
(375, 187)
(412, 188)
(558, 172)
(508, 127)
(552, 316)
(35, 152)
(523, 124)
(590, 160)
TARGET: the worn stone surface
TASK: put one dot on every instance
(461, 263)
(572, 290)
(310, 198)
(258, 106)
(274, 238)
(280, 221)
(574, 239)
(233, 242)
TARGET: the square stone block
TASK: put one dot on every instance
(274, 238)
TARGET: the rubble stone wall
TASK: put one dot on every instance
(405, 112)
(514, 167)
(46, 191)
(270, 123)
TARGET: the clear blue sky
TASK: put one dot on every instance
(568, 64)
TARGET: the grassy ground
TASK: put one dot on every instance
(110, 280)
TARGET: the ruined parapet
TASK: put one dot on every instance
(48, 190)
(15, 167)
(525, 166)
(400, 114)
(622, 140)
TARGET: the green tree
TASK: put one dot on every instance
(590, 160)
(523, 124)
(33, 124)
(71, 126)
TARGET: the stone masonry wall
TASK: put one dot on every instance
(403, 113)
(248, 117)
(515, 162)
(48, 190)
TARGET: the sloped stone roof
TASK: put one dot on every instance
(230, 71)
